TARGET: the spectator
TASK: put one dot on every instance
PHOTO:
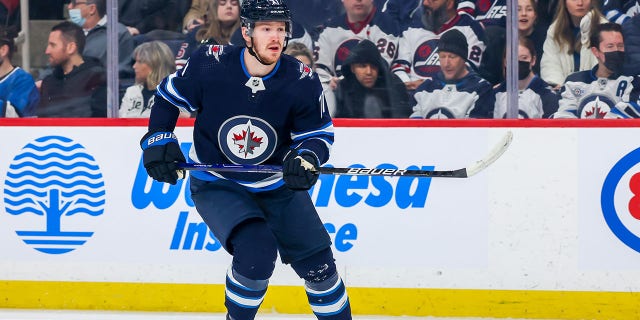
(566, 47)
(532, 28)
(142, 16)
(619, 11)
(222, 20)
(455, 92)
(536, 99)
(301, 52)
(369, 89)
(631, 34)
(361, 21)
(91, 16)
(602, 92)
(418, 55)
(78, 86)
(195, 16)
(312, 14)
(402, 11)
(18, 93)
(153, 61)
(10, 13)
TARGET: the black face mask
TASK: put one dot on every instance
(614, 61)
(524, 68)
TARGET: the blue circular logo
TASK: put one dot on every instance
(247, 140)
(607, 202)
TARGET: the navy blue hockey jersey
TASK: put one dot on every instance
(243, 119)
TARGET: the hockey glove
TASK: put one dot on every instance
(161, 153)
(298, 170)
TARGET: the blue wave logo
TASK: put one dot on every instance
(54, 178)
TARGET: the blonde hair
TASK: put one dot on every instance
(563, 32)
(213, 27)
(160, 59)
(295, 49)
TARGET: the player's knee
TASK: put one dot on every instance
(316, 268)
(254, 250)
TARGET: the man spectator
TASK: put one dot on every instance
(91, 16)
(418, 55)
(361, 20)
(77, 87)
(602, 92)
(369, 89)
(455, 92)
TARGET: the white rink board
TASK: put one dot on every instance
(532, 221)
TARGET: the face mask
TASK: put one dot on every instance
(524, 68)
(614, 61)
(76, 17)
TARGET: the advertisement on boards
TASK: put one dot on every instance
(77, 204)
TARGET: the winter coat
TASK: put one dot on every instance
(631, 33)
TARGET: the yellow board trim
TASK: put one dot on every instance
(171, 297)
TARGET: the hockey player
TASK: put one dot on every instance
(602, 92)
(254, 105)
(536, 99)
(418, 55)
(455, 92)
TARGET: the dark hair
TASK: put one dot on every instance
(528, 43)
(101, 6)
(596, 36)
(7, 36)
(71, 32)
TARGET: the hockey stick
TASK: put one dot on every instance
(466, 172)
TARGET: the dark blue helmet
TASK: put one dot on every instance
(264, 10)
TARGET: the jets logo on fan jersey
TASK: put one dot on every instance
(247, 140)
(342, 53)
(595, 107)
(426, 62)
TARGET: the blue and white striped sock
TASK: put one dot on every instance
(243, 296)
(329, 299)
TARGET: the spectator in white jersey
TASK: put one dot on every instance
(369, 89)
(602, 92)
(361, 20)
(418, 55)
(456, 92)
(536, 99)
(566, 47)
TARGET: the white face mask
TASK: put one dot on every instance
(76, 17)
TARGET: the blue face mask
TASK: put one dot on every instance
(76, 17)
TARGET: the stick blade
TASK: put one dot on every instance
(497, 151)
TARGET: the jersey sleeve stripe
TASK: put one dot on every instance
(168, 91)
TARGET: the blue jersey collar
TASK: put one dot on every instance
(246, 73)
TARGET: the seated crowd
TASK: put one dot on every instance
(423, 59)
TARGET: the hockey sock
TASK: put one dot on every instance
(243, 296)
(325, 290)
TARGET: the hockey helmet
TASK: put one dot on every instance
(264, 10)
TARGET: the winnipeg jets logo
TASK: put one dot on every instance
(215, 51)
(596, 107)
(426, 62)
(247, 140)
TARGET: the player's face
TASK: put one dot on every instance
(268, 40)
(578, 8)
(360, 8)
(526, 16)
(142, 70)
(366, 73)
(452, 65)
(228, 11)
(57, 50)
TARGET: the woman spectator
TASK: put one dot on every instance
(153, 61)
(536, 99)
(566, 47)
(221, 21)
(301, 52)
(532, 28)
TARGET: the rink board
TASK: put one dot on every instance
(551, 230)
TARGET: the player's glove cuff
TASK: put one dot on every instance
(161, 155)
